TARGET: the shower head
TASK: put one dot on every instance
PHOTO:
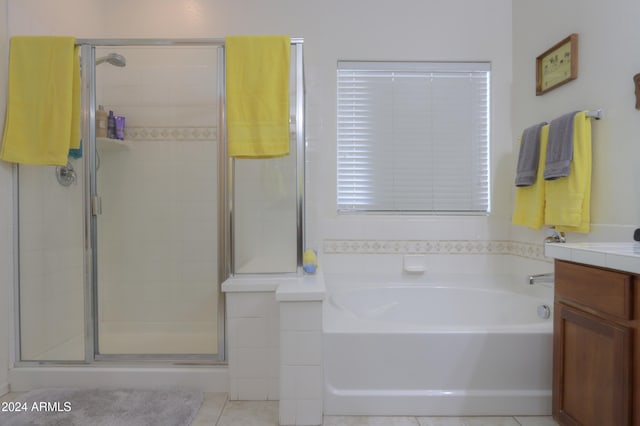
(114, 59)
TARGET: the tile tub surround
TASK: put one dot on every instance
(275, 343)
(518, 245)
(474, 257)
(443, 247)
(301, 376)
(253, 339)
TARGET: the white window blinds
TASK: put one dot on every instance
(413, 137)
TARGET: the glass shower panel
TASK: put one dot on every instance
(265, 205)
(157, 232)
(51, 288)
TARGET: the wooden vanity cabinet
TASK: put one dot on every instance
(596, 349)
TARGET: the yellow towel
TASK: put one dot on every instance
(43, 102)
(530, 200)
(257, 95)
(568, 198)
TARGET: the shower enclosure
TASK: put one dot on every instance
(122, 252)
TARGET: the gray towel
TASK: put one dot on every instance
(529, 156)
(559, 147)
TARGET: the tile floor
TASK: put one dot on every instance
(218, 411)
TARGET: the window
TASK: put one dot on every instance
(413, 137)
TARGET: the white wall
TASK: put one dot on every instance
(608, 59)
(406, 30)
(333, 30)
(422, 30)
(6, 217)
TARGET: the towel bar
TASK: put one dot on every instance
(597, 114)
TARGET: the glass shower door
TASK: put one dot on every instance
(157, 233)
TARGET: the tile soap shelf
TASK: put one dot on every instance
(107, 144)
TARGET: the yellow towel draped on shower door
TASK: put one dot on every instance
(43, 101)
(257, 95)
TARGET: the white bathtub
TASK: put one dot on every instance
(427, 349)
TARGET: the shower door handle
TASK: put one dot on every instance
(96, 206)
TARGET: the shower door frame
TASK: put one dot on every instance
(226, 177)
(91, 202)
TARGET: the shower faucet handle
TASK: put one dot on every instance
(66, 175)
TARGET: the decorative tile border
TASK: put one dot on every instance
(486, 247)
(170, 133)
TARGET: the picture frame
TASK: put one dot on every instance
(558, 65)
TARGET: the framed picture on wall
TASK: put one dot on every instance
(557, 65)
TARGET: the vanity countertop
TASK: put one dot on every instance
(623, 256)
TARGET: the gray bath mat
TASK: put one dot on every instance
(102, 407)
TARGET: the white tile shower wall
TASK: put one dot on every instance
(161, 86)
(51, 263)
(254, 348)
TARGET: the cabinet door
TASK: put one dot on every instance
(591, 377)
